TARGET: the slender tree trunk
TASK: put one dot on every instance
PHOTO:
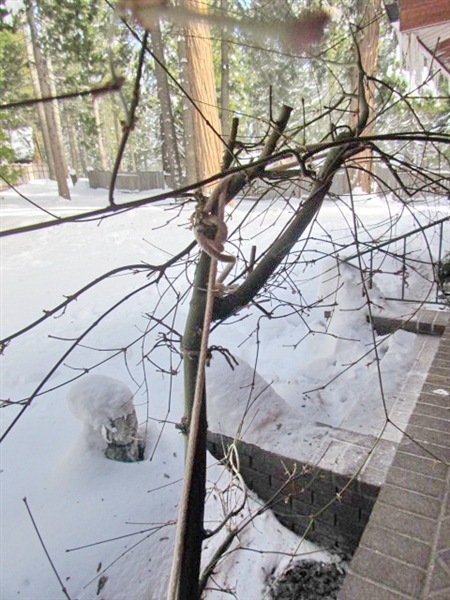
(225, 79)
(117, 130)
(37, 149)
(55, 104)
(40, 107)
(184, 583)
(187, 588)
(188, 118)
(208, 149)
(367, 40)
(43, 76)
(101, 147)
(132, 156)
(85, 165)
(207, 129)
(165, 154)
(104, 128)
(171, 157)
(73, 144)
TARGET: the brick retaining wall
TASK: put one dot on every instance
(397, 524)
(328, 508)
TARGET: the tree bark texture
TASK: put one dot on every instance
(225, 79)
(367, 40)
(56, 148)
(171, 157)
(187, 558)
(189, 571)
(207, 129)
(73, 144)
(98, 125)
(55, 104)
(40, 107)
(188, 118)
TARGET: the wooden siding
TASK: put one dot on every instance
(415, 14)
(443, 50)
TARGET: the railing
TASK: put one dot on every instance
(413, 246)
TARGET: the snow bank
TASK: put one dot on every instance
(121, 516)
(101, 401)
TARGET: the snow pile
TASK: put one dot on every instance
(243, 404)
(102, 402)
(97, 400)
(300, 373)
(262, 548)
(289, 400)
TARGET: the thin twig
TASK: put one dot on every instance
(12, 187)
(129, 125)
(111, 86)
(69, 299)
(174, 80)
(61, 360)
(194, 426)
(63, 587)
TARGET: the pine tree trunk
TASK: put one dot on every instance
(171, 157)
(56, 149)
(225, 79)
(207, 129)
(165, 154)
(101, 147)
(188, 118)
(117, 129)
(132, 157)
(85, 165)
(55, 105)
(73, 144)
(107, 140)
(40, 107)
(367, 40)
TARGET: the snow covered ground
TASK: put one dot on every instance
(109, 526)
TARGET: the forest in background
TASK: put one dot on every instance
(234, 98)
(54, 49)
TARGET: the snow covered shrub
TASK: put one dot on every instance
(105, 404)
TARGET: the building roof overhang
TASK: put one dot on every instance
(429, 22)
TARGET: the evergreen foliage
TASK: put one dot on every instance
(89, 45)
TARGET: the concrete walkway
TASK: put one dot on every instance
(404, 552)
